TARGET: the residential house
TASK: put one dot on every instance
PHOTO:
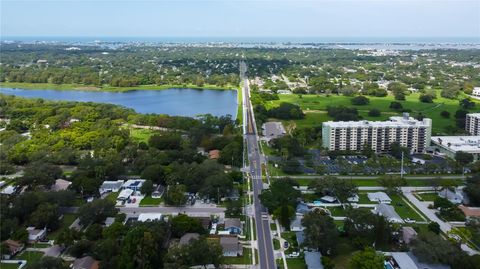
(296, 224)
(124, 195)
(36, 234)
(9, 190)
(143, 217)
(186, 238)
(453, 196)
(61, 185)
(134, 184)
(231, 246)
(408, 234)
(313, 260)
(379, 197)
(302, 208)
(300, 238)
(233, 225)
(388, 212)
(14, 247)
(110, 186)
(109, 221)
(158, 192)
(86, 262)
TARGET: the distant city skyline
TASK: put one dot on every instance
(242, 18)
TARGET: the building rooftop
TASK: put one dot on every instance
(405, 121)
(378, 196)
(388, 212)
(61, 185)
(469, 144)
(125, 194)
(313, 260)
(403, 260)
(232, 222)
(149, 217)
(476, 115)
(86, 262)
(230, 243)
(186, 238)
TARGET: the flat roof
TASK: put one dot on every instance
(393, 122)
(476, 115)
(465, 143)
(149, 217)
(403, 260)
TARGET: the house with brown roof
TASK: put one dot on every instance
(86, 262)
(231, 246)
(13, 248)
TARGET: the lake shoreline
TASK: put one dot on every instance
(91, 88)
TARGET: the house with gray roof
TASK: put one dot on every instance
(388, 212)
(86, 262)
(313, 260)
(231, 246)
(186, 238)
(233, 225)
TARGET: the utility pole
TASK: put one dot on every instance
(401, 168)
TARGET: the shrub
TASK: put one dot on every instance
(445, 114)
(374, 112)
(360, 101)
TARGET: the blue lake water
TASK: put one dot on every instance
(175, 102)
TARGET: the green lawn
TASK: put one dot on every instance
(30, 257)
(369, 182)
(8, 265)
(337, 211)
(141, 135)
(291, 237)
(431, 196)
(296, 263)
(149, 201)
(276, 244)
(245, 259)
(315, 104)
(67, 220)
(363, 199)
(403, 209)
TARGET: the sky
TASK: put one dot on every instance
(241, 18)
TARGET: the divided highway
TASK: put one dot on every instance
(262, 225)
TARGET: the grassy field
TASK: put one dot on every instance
(30, 257)
(276, 244)
(315, 106)
(431, 196)
(107, 88)
(296, 263)
(245, 259)
(149, 201)
(368, 182)
(8, 265)
(403, 209)
(142, 135)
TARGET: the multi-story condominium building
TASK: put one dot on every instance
(378, 135)
(472, 123)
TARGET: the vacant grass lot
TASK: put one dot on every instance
(149, 201)
(296, 263)
(30, 257)
(403, 209)
(245, 259)
(315, 106)
(142, 135)
(431, 196)
(8, 265)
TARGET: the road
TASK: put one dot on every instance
(419, 177)
(262, 225)
(165, 210)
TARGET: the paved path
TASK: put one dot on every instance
(430, 214)
(375, 177)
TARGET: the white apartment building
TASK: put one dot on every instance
(472, 123)
(379, 135)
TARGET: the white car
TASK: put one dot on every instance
(409, 220)
(294, 254)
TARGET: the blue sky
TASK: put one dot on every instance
(307, 18)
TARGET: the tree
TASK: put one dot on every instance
(199, 252)
(392, 183)
(472, 189)
(396, 106)
(431, 248)
(284, 214)
(281, 199)
(66, 237)
(183, 224)
(463, 158)
(96, 211)
(359, 100)
(320, 232)
(396, 150)
(94, 232)
(425, 98)
(176, 195)
(434, 227)
(46, 215)
(292, 166)
(398, 89)
(40, 173)
(374, 112)
(147, 187)
(80, 247)
(367, 259)
(445, 114)
(155, 173)
(467, 104)
(48, 262)
(342, 189)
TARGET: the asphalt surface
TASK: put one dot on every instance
(264, 239)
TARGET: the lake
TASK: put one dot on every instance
(175, 102)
